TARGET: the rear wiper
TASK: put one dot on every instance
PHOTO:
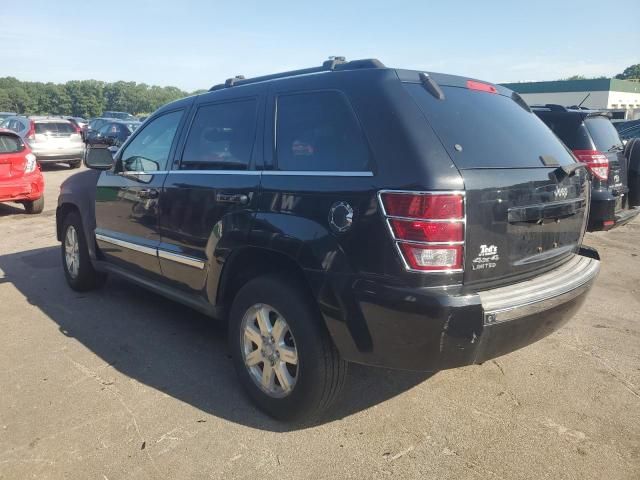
(566, 171)
(616, 148)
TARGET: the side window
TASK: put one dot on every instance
(221, 137)
(149, 150)
(318, 131)
(104, 131)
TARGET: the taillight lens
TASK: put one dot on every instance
(433, 207)
(30, 163)
(31, 134)
(595, 161)
(423, 231)
(428, 228)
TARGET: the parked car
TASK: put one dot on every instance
(20, 176)
(629, 132)
(51, 139)
(113, 133)
(632, 154)
(120, 116)
(595, 142)
(94, 125)
(360, 214)
(4, 115)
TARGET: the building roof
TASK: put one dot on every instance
(589, 85)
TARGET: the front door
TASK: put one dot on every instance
(127, 197)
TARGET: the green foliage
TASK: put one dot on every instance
(83, 98)
(631, 72)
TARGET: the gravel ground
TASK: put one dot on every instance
(121, 383)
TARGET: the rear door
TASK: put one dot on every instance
(127, 196)
(523, 215)
(208, 201)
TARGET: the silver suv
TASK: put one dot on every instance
(52, 139)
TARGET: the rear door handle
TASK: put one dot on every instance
(148, 193)
(240, 198)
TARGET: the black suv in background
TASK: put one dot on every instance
(595, 142)
(113, 133)
(345, 213)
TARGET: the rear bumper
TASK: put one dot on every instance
(64, 155)
(29, 187)
(603, 214)
(431, 329)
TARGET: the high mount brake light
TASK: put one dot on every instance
(427, 228)
(596, 162)
(482, 87)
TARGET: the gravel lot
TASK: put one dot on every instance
(121, 383)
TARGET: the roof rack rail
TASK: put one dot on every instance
(333, 63)
(554, 107)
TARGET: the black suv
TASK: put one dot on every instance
(595, 142)
(345, 213)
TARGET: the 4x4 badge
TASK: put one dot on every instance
(340, 217)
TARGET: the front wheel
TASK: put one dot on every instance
(78, 269)
(282, 352)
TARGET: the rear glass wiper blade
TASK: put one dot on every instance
(616, 148)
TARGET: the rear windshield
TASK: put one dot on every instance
(485, 130)
(10, 144)
(569, 128)
(55, 127)
(603, 133)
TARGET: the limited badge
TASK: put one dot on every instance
(340, 217)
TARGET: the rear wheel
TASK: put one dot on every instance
(75, 164)
(34, 206)
(78, 269)
(282, 352)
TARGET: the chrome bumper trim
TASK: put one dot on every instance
(540, 293)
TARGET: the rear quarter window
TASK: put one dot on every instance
(486, 130)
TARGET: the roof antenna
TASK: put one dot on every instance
(584, 99)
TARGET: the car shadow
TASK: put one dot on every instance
(54, 167)
(7, 209)
(170, 347)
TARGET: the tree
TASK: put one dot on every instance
(632, 71)
(86, 98)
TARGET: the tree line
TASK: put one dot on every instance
(84, 98)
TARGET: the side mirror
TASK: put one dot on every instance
(98, 158)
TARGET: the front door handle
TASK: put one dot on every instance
(240, 198)
(148, 193)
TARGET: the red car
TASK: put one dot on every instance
(20, 176)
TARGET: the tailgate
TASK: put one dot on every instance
(521, 221)
(526, 198)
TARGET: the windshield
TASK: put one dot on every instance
(604, 134)
(485, 130)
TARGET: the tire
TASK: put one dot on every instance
(34, 206)
(75, 164)
(319, 373)
(83, 276)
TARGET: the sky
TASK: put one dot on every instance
(193, 44)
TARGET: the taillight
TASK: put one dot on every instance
(30, 163)
(595, 161)
(31, 134)
(427, 228)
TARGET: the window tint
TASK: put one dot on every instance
(603, 132)
(318, 131)
(221, 137)
(56, 128)
(149, 150)
(493, 130)
(10, 144)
